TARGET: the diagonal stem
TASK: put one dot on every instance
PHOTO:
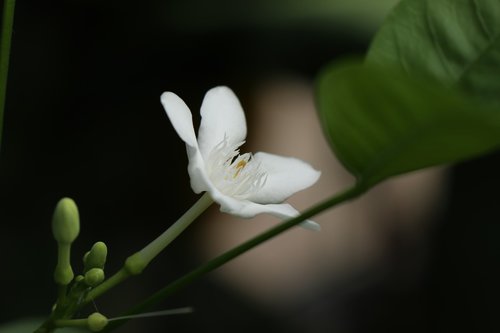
(235, 252)
(135, 264)
(5, 41)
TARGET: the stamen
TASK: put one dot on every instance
(241, 164)
(234, 174)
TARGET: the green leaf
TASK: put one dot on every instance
(380, 122)
(455, 41)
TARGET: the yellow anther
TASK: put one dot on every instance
(240, 166)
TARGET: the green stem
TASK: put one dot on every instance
(240, 249)
(83, 323)
(149, 252)
(136, 263)
(5, 41)
(62, 290)
(114, 280)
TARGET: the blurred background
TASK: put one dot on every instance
(419, 253)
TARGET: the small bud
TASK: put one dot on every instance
(94, 277)
(85, 256)
(96, 257)
(65, 221)
(96, 322)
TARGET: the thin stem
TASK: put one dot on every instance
(155, 247)
(61, 293)
(71, 322)
(136, 263)
(114, 280)
(5, 41)
(63, 273)
(240, 249)
(162, 313)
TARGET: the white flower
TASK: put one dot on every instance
(244, 185)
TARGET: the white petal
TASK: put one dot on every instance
(285, 176)
(229, 204)
(180, 117)
(285, 211)
(221, 117)
(247, 209)
(200, 181)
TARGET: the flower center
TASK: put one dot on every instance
(233, 174)
(240, 166)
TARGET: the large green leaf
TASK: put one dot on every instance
(455, 41)
(380, 122)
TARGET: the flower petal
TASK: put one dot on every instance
(285, 211)
(285, 176)
(200, 181)
(247, 209)
(180, 117)
(221, 117)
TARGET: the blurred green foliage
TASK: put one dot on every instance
(382, 123)
(278, 13)
(420, 98)
(454, 41)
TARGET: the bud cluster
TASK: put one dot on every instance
(73, 290)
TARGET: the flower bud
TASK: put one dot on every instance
(65, 221)
(96, 322)
(96, 257)
(79, 278)
(85, 256)
(94, 277)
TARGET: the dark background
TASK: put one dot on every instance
(83, 119)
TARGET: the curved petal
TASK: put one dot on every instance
(197, 170)
(285, 176)
(180, 117)
(285, 211)
(222, 118)
(247, 209)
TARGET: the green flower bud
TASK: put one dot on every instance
(85, 256)
(94, 277)
(96, 322)
(65, 221)
(96, 257)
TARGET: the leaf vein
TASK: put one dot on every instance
(493, 39)
(435, 41)
(480, 19)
